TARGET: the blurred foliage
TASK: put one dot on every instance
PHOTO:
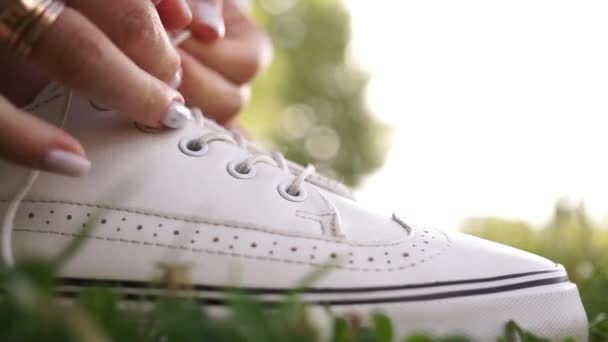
(310, 104)
(30, 312)
(570, 238)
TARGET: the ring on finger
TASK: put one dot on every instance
(24, 21)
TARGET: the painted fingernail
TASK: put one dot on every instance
(177, 115)
(67, 163)
(177, 79)
(183, 4)
(209, 14)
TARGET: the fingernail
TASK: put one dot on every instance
(183, 4)
(177, 79)
(67, 163)
(177, 115)
(209, 14)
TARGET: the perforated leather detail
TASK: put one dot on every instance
(231, 239)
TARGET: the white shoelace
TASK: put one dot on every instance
(245, 166)
(274, 159)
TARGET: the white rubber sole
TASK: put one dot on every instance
(552, 311)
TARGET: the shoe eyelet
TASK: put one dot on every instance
(193, 147)
(301, 196)
(232, 170)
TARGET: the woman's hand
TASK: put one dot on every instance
(116, 54)
(226, 52)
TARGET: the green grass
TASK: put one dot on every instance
(29, 311)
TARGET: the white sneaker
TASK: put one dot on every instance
(201, 196)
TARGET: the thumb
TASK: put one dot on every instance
(34, 143)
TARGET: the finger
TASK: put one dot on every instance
(135, 28)
(235, 125)
(241, 54)
(175, 14)
(207, 20)
(34, 143)
(74, 52)
(219, 99)
(14, 71)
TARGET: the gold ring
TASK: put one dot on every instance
(22, 23)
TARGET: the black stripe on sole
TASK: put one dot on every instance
(262, 290)
(337, 302)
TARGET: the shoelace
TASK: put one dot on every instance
(245, 166)
(274, 159)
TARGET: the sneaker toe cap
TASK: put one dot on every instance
(473, 257)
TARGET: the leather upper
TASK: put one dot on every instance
(148, 202)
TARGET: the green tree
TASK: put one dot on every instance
(310, 103)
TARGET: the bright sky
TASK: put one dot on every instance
(499, 107)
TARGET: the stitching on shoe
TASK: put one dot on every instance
(221, 224)
(309, 216)
(207, 251)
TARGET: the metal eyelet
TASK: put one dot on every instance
(232, 170)
(302, 195)
(193, 147)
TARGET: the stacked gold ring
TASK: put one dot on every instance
(22, 23)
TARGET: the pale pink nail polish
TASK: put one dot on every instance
(186, 8)
(177, 115)
(209, 13)
(67, 163)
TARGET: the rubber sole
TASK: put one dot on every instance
(552, 311)
(549, 307)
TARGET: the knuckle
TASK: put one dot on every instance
(141, 34)
(168, 66)
(80, 57)
(136, 26)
